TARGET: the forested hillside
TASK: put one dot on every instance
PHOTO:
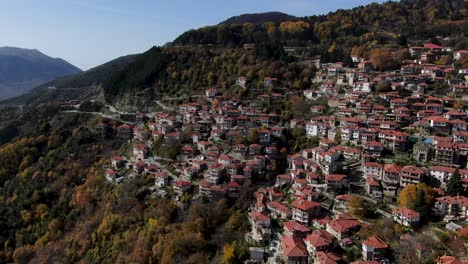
(56, 206)
(207, 56)
(276, 17)
(408, 18)
(213, 55)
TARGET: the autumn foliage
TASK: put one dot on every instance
(418, 197)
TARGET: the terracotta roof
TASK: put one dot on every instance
(316, 240)
(321, 221)
(336, 177)
(373, 165)
(375, 242)
(432, 46)
(279, 207)
(342, 225)
(392, 168)
(461, 200)
(295, 226)
(405, 212)
(327, 258)
(257, 216)
(372, 182)
(450, 260)
(344, 197)
(293, 246)
(413, 170)
(443, 169)
(304, 205)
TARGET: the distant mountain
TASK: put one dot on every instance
(74, 86)
(23, 69)
(259, 18)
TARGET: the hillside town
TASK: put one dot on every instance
(367, 141)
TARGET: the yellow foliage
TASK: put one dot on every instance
(417, 196)
(229, 251)
(152, 223)
(26, 216)
(294, 27)
(356, 206)
(42, 210)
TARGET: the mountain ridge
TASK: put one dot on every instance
(259, 18)
(24, 69)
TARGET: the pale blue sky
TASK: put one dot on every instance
(88, 33)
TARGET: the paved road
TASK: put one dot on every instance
(99, 114)
(179, 98)
(164, 107)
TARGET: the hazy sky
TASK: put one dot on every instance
(88, 33)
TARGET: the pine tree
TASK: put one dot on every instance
(454, 186)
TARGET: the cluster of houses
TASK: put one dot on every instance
(223, 146)
(367, 128)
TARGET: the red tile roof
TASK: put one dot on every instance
(257, 216)
(460, 200)
(443, 169)
(343, 225)
(316, 240)
(375, 242)
(372, 182)
(327, 258)
(405, 212)
(304, 205)
(295, 226)
(293, 246)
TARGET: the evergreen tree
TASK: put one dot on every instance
(454, 186)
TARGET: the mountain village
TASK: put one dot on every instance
(369, 143)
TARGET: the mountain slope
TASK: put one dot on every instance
(210, 56)
(24, 69)
(410, 18)
(259, 18)
(184, 67)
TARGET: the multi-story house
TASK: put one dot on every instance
(446, 153)
(161, 179)
(374, 249)
(373, 148)
(343, 228)
(460, 137)
(293, 228)
(336, 182)
(303, 211)
(293, 250)
(391, 177)
(442, 174)
(373, 170)
(319, 240)
(405, 216)
(278, 210)
(373, 188)
(261, 227)
(453, 207)
(411, 175)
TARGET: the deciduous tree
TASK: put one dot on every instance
(418, 197)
